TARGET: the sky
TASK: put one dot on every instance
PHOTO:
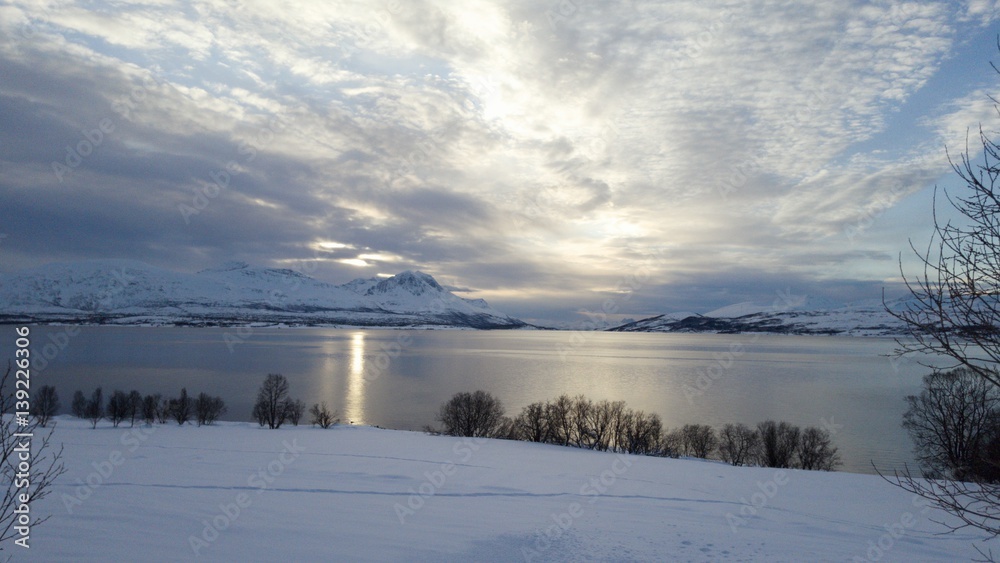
(566, 160)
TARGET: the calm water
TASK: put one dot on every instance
(398, 379)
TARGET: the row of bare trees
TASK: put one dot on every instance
(778, 444)
(132, 406)
(612, 426)
(272, 408)
(580, 422)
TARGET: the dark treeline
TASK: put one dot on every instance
(612, 426)
(272, 408)
(566, 421)
(153, 408)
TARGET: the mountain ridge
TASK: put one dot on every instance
(866, 318)
(128, 292)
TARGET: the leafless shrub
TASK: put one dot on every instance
(321, 415)
(952, 422)
(45, 404)
(816, 450)
(94, 408)
(181, 408)
(208, 409)
(639, 433)
(476, 415)
(118, 407)
(738, 443)
(532, 424)
(699, 440)
(150, 408)
(779, 442)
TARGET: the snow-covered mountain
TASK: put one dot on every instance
(130, 292)
(868, 318)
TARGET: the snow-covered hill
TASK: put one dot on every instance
(130, 292)
(867, 318)
(235, 492)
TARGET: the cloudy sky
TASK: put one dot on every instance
(548, 156)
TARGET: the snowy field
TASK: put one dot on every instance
(235, 492)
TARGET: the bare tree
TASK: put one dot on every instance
(79, 405)
(532, 425)
(672, 444)
(134, 406)
(581, 434)
(605, 418)
(270, 407)
(94, 409)
(559, 414)
(638, 433)
(477, 415)
(506, 430)
(294, 409)
(321, 415)
(163, 413)
(954, 310)
(45, 404)
(182, 407)
(738, 444)
(150, 408)
(779, 442)
(952, 422)
(208, 409)
(35, 482)
(118, 407)
(816, 450)
(699, 440)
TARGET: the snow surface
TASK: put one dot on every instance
(236, 492)
(738, 310)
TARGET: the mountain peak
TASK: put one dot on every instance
(410, 281)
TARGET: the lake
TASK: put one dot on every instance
(399, 378)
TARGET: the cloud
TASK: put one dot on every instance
(526, 149)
